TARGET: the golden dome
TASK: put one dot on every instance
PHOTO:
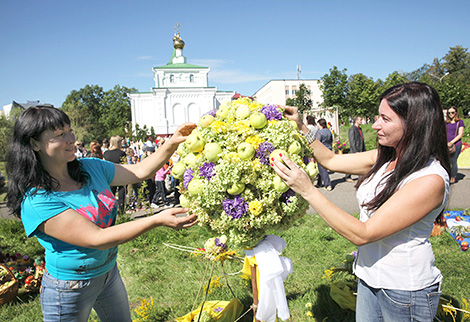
(178, 43)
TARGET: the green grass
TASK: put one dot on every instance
(172, 277)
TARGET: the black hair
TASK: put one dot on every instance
(419, 107)
(311, 120)
(23, 165)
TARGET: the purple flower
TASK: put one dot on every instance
(187, 177)
(207, 170)
(218, 309)
(263, 152)
(306, 159)
(271, 112)
(211, 112)
(235, 208)
(218, 243)
(286, 195)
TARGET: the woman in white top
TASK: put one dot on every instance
(403, 188)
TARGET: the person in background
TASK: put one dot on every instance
(160, 190)
(326, 138)
(95, 150)
(80, 151)
(455, 127)
(104, 145)
(67, 205)
(311, 124)
(116, 155)
(150, 190)
(404, 187)
(133, 189)
(356, 140)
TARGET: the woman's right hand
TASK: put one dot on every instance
(291, 113)
(175, 218)
(182, 132)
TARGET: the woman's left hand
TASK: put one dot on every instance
(182, 132)
(294, 176)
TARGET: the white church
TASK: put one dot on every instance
(181, 94)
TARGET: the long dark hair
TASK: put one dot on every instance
(24, 167)
(419, 107)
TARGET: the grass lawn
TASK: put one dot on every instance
(172, 278)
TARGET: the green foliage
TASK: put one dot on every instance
(362, 96)
(334, 87)
(6, 132)
(303, 99)
(96, 114)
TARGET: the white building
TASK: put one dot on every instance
(181, 94)
(279, 90)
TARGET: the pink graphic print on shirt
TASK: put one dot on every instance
(103, 215)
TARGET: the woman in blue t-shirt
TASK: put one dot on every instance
(68, 205)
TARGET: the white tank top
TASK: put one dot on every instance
(405, 260)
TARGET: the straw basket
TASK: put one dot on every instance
(9, 293)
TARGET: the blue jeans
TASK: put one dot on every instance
(453, 161)
(395, 305)
(73, 300)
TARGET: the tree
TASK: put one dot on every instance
(456, 60)
(6, 132)
(116, 116)
(303, 99)
(334, 89)
(362, 96)
(392, 79)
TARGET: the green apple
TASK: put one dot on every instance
(184, 202)
(195, 142)
(312, 169)
(295, 148)
(294, 124)
(243, 111)
(206, 120)
(178, 170)
(258, 120)
(276, 155)
(222, 112)
(189, 160)
(195, 187)
(212, 151)
(246, 151)
(236, 189)
(279, 185)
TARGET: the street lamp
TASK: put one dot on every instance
(439, 78)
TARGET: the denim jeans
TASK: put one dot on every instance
(73, 300)
(395, 305)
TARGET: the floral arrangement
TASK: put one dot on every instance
(227, 178)
(339, 146)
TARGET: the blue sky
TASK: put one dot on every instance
(49, 48)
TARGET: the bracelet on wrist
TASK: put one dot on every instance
(311, 135)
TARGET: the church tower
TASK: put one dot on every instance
(181, 94)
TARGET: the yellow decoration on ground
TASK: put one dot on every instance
(220, 311)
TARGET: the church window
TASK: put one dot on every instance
(191, 78)
(172, 78)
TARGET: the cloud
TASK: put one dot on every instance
(145, 57)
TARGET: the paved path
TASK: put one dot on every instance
(344, 195)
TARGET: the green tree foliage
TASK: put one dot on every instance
(6, 132)
(362, 96)
(96, 114)
(334, 89)
(303, 99)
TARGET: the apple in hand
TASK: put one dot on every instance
(212, 151)
(195, 187)
(236, 189)
(294, 124)
(246, 151)
(243, 111)
(178, 170)
(195, 142)
(206, 120)
(276, 155)
(279, 185)
(258, 120)
(295, 148)
(312, 169)
(184, 202)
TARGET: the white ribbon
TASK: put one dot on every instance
(273, 270)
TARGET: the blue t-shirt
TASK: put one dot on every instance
(95, 202)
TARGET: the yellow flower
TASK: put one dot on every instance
(241, 127)
(232, 157)
(328, 273)
(273, 122)
(219, 126)
(257, 165)
(256, 207)
(254, 140)
(215, 282)
(143, 311)
(256, 106)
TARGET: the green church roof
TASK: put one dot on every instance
(178, 65)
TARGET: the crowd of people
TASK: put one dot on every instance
(157, 189)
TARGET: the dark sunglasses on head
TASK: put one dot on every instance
(450, 112)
